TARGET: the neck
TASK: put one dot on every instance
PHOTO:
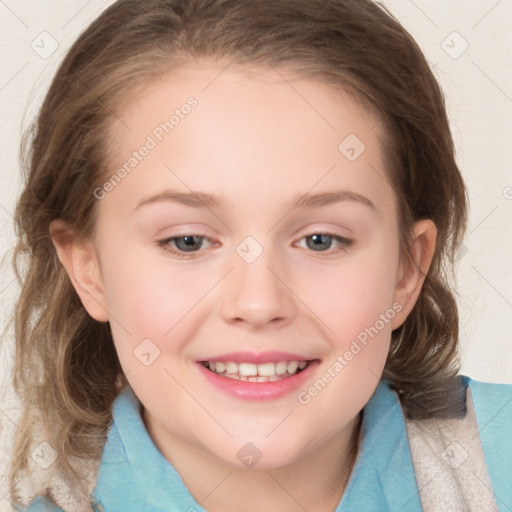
(314, 483)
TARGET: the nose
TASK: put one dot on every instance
(257, 294)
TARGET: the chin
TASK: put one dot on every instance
(259, 454)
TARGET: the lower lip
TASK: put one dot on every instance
(259, 390)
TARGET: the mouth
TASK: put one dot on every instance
(252, 372)
(258, 375)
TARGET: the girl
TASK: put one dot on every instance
(238, 218)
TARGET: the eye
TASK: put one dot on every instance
(181, 245)
(322, 242)
(188, 246)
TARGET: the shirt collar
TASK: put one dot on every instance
(134, 475)
(383, 475)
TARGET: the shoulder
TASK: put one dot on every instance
(493, 408)
(493, 391)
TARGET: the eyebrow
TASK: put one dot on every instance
(301, 201)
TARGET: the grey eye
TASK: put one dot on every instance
(319, 242)
(323, 242)
(188, 243)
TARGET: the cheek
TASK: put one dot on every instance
(352, 296)
(150, 299)
(148, 309)
(355, 304)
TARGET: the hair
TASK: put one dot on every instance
(66, 372)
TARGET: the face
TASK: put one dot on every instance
(248, 261)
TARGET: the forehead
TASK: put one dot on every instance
(241, 131)
(220, 83)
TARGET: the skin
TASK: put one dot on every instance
(257, 143)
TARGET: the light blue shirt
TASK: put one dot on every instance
(135, 477)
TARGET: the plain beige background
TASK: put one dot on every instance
(468, 44)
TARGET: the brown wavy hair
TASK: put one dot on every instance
(66, 372)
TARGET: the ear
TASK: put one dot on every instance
(79, 259)
(410, 278)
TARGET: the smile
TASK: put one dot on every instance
(251, 372)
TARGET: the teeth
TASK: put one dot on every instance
(281, 367)
(230, 367)
(267, 369)
(265, 372)
(259, 379)
(292, 367)
(246, 369)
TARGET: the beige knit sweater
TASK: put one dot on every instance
(447, 456)
(449, 464)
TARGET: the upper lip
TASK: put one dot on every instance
(257, 357)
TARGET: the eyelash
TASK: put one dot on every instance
(165, 245)
(345, 243)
